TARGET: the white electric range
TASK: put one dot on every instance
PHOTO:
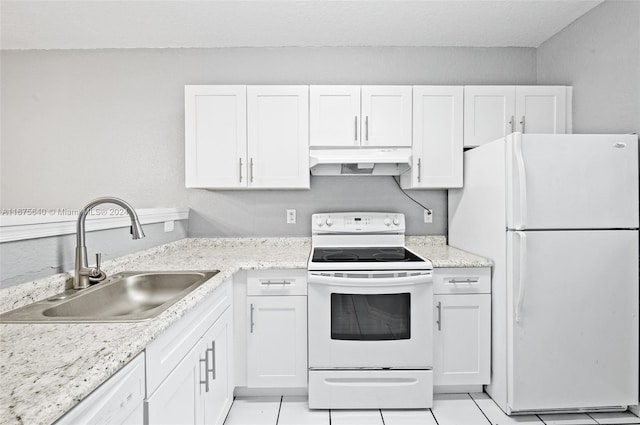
(369, 315)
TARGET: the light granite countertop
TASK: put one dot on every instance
(46, 369)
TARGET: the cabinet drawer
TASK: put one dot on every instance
(166, 352)
(469, 280)
(277, 282)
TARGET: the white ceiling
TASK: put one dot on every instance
(90, 24)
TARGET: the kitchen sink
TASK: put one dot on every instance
(123, 297)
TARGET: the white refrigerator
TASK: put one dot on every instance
(558, 215)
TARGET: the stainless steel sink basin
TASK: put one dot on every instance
(123, 297)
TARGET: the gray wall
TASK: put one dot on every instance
(599, 55)
(22, 261)
(78, 124)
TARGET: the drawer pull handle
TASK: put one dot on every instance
(275, 282)
(454, 281)
(251, 320)
(439, 321)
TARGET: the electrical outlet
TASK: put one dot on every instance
(428, 215)
(291, 216)
(168, 226)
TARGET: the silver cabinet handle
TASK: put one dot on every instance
(275, 282)
(439, 321)
(251, 320)
(470, 280)
(213, 360)
(355, 136)
(366, 128)
(419, 169)
(251, 170)
(240, 169)
(513, 124)
(522, 122)
(206, 374)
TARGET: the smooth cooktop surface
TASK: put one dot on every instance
(364, 255)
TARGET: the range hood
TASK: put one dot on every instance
(357, 162)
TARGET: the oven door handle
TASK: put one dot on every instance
(322, 279)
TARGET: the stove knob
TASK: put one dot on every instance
(396, 221)
(387, 222)
(329, 222)
(319, 222)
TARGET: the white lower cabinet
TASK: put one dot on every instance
(462, 327)
(189, 367)
(277, 341)
(117, 401)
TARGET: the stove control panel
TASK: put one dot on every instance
(365, 222)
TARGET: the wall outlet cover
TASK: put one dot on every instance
(169, 226)
(428, 215)
(291, 216)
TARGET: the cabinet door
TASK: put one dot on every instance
(334, 116)
(489, 113)
(278, 136)
(218, 340)
(277, 341)
(541, 109)
(437, 136)
(386, 116)
(462, 339)
(215, 135)
(177, 399)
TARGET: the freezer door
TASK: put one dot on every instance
(573, 181)
(573, 319)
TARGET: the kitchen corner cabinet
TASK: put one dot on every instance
(189, 367)
(360, 116)
(492, 112)
(462, 327)
(277, 329)
(247, 137)
(437, 138)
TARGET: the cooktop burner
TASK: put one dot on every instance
(361, 255)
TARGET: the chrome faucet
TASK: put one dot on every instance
(82, 271)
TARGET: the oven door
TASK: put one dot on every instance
(370, 319)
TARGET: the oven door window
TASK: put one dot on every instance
(377, 317)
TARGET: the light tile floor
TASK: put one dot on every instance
(448, 409)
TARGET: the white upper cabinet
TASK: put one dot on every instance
(437, 138)
(278, 136)
(247, 137)
(492, 112)
(386, 116)
(541, 109)
(216, 136)
(334, 116)
(354, 116)
(489, 112)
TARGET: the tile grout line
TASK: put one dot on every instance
(480, 409)
(434, 416)
(279, 409)
(229, 411)
(594, 419)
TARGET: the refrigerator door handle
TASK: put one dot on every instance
(522, 183)
(522, 271)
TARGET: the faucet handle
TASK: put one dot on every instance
(96, 275)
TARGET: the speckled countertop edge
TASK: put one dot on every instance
(46, 369)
